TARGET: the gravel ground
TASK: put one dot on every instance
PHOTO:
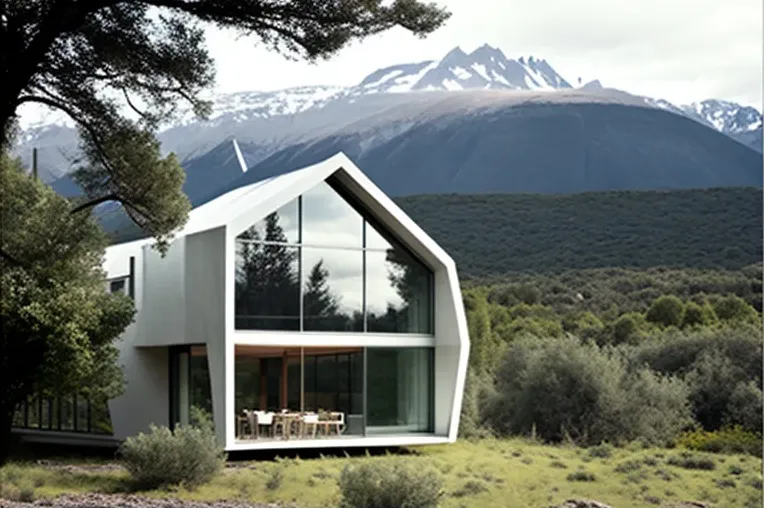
(130, 501)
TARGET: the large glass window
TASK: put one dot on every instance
(329, 220)
(317, 264)
(399, 390)
(401, 295)
(267, 287)
(332, 290)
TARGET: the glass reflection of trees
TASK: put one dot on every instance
(267, 279)
(268, 286)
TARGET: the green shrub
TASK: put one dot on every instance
(689, 461)
(736, 310)
(275, 479)
(190, 455)
(722, 368)
(627, 329)
(581, 476)
(566, 389)
(628, 467)
(471, 488)
(696, 314)
(387, 483)
(735, 470)
(601, 451)
(666, 311)
(727, 440)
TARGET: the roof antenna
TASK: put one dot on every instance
(239, 156)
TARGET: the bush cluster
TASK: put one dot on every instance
(189, 455)
(647, 375)
(567, 389)
(727, 440)
(387, 482)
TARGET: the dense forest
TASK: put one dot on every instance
(610, 317)
(496, 234)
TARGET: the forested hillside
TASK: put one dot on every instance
(495, 234)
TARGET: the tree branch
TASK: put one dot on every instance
(10, 258)
(74, 116)
(95, 202)
(132, 106)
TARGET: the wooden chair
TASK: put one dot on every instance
(309, 420)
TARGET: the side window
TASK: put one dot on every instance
(118, 286)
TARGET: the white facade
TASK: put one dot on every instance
(187, 298)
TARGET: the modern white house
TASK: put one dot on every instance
(306, 310)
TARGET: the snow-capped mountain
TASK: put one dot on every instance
(725, 116)
(486, 68)
(270, 119)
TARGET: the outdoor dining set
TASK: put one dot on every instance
(289, 425)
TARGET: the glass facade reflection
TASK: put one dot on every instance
(399, 390)
(319, 264)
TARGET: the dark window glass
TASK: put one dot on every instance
(67, 413)
(273, 384)
(343, 382)
(117, 286)
(200, 393)
(82, 414)
(33, 413)
(399, 389)
(247, 384)
(310, 383)
(190, 384)
(332, 289)
(356, 383)
(267, 287)
(293, 383)
(55, 408)
(18, 415)
(399, 292)
(328, 220)
(45, 413)
(326, 398)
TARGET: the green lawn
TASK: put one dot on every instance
(488, 473)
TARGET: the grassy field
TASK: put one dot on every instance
(488, 473)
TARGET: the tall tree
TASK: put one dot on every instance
(57, 322)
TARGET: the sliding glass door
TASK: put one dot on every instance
(399, 393)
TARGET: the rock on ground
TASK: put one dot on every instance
(582, 503)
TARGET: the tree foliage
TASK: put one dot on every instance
(578, 365)
(58, 322)
(498, 235)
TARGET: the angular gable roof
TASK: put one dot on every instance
(237, 208)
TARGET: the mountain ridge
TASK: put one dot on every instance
(275, 113)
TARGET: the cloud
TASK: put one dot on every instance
(678, 50)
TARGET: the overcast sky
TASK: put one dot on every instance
(679, 50)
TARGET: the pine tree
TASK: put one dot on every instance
(319, 302)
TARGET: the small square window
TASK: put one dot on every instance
(117, 286)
